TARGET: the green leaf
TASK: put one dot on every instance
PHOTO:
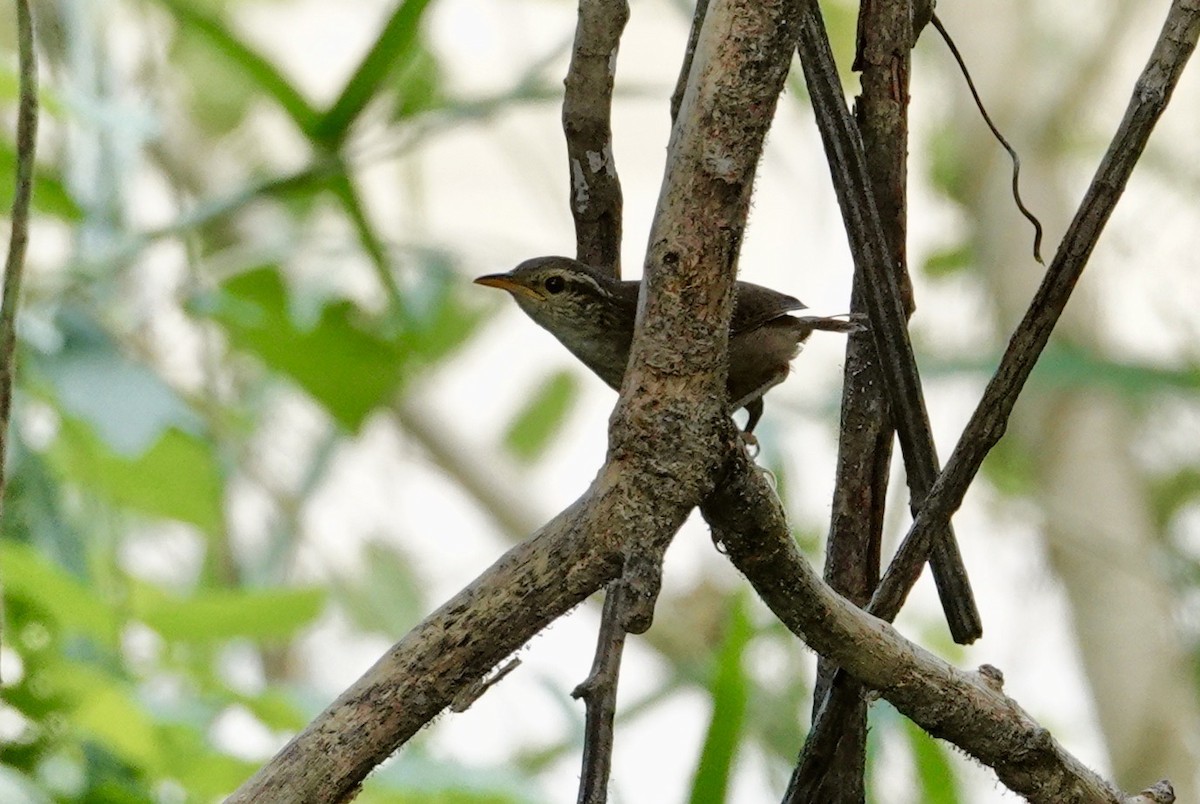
(394, 45)
(1010, 467)
(116, 721)
(948, 261)
(415, 778)
(730, 693)
(935, 775)
(1170, 494)
(419, 85)
(246, 61)
(276, 710)
(216, 615)
(1069, 366)
(536, 424)
(434, 322)
(50, 195)
(51, 590)
(386, 599)
(178, 477)
(126, 403)
(1066, 366)
(346, 368)
(18, 788)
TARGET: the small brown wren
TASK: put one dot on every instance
(593, 315)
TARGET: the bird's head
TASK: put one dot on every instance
(563, 295)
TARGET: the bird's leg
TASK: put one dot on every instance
(755, 411)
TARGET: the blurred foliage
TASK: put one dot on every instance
(139, 631)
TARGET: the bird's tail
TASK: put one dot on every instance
(847, 322)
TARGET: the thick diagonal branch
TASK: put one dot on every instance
(668, 436)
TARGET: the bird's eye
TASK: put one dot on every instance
(555, 284)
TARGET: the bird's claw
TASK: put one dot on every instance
(750, 442)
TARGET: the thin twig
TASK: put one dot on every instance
(14, 266)
(685, 68)
(586, 117)
(832, 764)
(1151, 93)
(1012, 154)
(889, 323)
(599, 694)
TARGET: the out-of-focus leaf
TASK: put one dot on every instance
(276, 710)
(729, 692)
(17, 788)
(216, 615)
(935, 775)
(178, 477)
(242, 64)
(419, 85)
(1169, 494)
(106, 712)
(536, 424)
(1070, 367)
(127, 404)
(434, 321)
(50, 196)
(394, 44)
(52, 591)
(49, 100)
(1010, 468)
(947, 172)
(415, 778)
(343, 187)
(346, 367)
(948, 261)
(206, 774)
(387, 597)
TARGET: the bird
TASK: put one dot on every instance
(593, 315)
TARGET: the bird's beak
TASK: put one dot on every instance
(506, 282)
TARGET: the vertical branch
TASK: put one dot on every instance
(685, 69)
(14, 267)
(586, 115)
(599, 694)
(882, 294)
(832, 766)
(596, 207)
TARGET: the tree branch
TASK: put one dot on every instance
(599, 694)
(832, 766)
(889, 323)
(1153, 89)
(586, 117)
(596, 204)
(968, 709)
(14, 266)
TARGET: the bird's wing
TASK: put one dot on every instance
(755, 305)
